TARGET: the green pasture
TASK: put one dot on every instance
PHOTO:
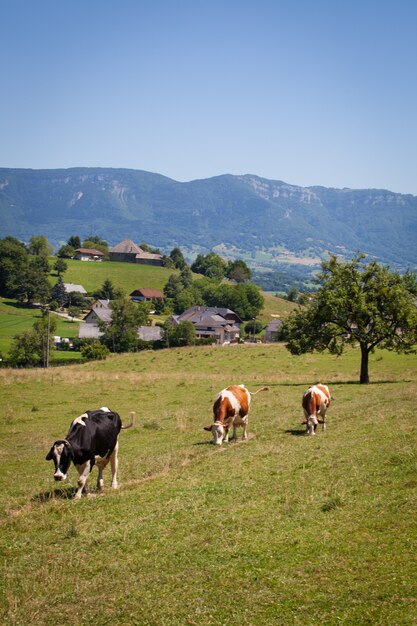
(15, 318)
(282, 529)
(127, 276)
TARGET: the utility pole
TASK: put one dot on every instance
(47, 338)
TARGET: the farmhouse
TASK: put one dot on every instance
(272, 331)
(128, 252)
(102, 312)
(99, 312)
(218, 323)
(88, 254)
(146, 295)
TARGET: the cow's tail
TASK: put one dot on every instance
(132, 421)
(253, 393)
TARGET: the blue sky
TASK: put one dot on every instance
(319, 92)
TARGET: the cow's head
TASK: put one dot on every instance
(218, 431)
(61, 454)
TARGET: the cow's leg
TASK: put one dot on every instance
(306, 416)
(114, 464)
(226, 433)
(84, 472)
(100, 481)
(312, 424)
(245, 430)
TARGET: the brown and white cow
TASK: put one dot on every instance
(315, 402)
(231, 408)
(91, 440)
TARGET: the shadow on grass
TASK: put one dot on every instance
(55, 494)
(296, 432)
(341, 382)
(21, 305)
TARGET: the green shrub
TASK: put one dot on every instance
(94, 351)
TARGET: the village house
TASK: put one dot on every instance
(146, 295)
(272, 331)
(88, 254)
(128, 252)
(101, 312)
(217, 323)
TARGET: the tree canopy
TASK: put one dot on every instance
(210, 265)
(358, 303)
(177, 258)
(23, 276)
(182, 335)
(40, 246)
(238, 271)
(245, 299)
(121, 334)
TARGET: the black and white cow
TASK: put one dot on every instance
(91, 440)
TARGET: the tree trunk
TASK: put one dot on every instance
(364, 378)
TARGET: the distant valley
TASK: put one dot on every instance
(272, 225)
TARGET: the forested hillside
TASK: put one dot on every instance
(263, 219)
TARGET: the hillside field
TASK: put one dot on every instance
(282, 529)
(127, 276)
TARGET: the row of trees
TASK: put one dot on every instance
(24, 269)
(213, 266)
(182, 292)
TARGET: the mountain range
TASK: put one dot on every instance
(263, 221)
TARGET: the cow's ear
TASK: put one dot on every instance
(50, 454)
(207, 427)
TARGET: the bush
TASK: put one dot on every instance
(253, 327)
(94, 351)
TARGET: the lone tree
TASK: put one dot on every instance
(358, 303)
(238, 271)
(108, 291)
(60, 266)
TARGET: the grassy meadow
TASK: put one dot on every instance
(282, 529)
(127, 276)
